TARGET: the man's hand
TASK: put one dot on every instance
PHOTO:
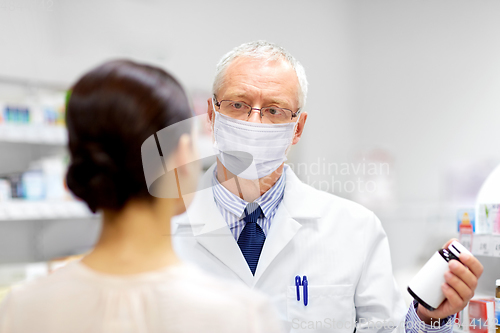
(461, 282)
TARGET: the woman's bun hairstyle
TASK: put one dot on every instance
(111, 111)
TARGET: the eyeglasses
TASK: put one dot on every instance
(240, 110)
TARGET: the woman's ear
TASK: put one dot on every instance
(187, 164)
(184, 152)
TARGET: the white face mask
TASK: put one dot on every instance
(251, 150)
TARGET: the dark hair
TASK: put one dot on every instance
(112, 110)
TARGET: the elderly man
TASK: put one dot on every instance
(323, 260)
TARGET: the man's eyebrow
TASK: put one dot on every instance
(236, 95)
(276, 101)
(240, 95)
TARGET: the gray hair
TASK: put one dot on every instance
(261, 50)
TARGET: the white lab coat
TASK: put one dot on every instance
(339, 245)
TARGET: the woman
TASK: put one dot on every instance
(132, 281)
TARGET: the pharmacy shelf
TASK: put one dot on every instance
(486, 245)
(24, 210)
(36, 134)
(34, 83)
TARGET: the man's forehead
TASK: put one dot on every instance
(243, 62)
(246, 74)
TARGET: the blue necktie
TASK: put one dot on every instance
(252, 237)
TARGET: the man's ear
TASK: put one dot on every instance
(210, 109)
(300, 127)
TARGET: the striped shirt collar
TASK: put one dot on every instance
(234, 204)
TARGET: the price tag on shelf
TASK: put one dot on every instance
(12, 133)
(495, 245)
(37, 133)
(481, 245)
(466, 240)
(19, 209)
(33, 133)
(3, 213)
(45, 211)
(61, 135)
(14, 211)
(46, 134)
(30, 136)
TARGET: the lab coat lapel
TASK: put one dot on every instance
(285, 223)
(283, 229)
(212, 232)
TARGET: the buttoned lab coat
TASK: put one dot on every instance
(339, 245)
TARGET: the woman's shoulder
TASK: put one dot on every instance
(60, 281)
(176, 294)
(184, 283)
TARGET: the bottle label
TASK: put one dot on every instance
(497, 311)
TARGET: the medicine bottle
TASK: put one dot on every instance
(425, 287)
(497, 306)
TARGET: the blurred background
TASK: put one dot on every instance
(403, 106)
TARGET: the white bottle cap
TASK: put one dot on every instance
(498, 282)
(456, 248)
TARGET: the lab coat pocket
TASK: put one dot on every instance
(330, 308)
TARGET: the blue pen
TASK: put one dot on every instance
(305, 283)
(297, 284)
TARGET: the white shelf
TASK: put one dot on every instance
(486, 245)
(36, 134)
(24, 210)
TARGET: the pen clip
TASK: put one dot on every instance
(305, 283)
(297, 284)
